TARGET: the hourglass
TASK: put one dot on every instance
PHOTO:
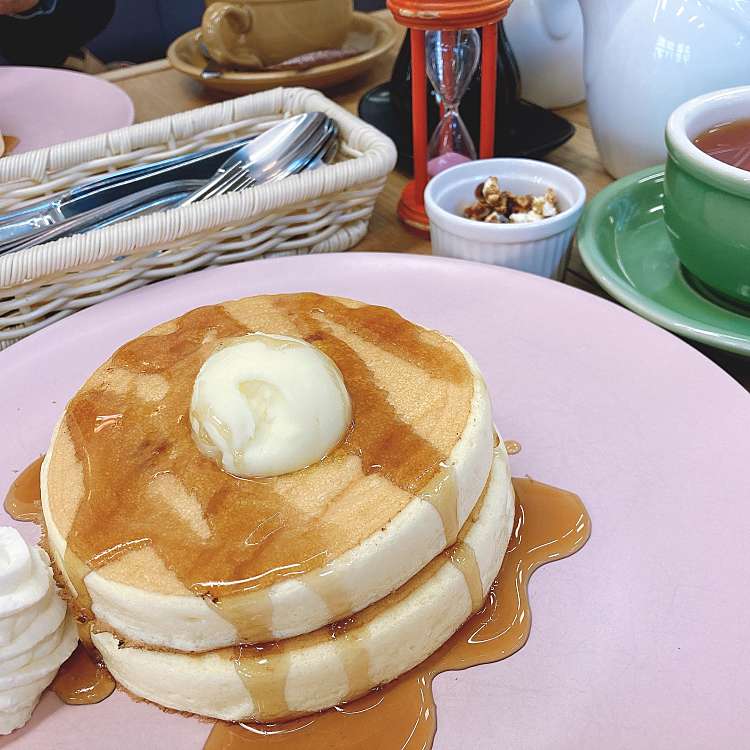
(451, 59)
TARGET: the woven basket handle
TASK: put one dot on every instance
(226, 31)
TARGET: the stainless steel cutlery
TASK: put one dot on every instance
(296, 144)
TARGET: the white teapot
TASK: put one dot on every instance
(547, 41)
(643, 58)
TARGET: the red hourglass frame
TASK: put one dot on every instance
(445, 15)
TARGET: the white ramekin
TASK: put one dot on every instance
(537, 248)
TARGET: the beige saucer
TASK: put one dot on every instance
(372, 35)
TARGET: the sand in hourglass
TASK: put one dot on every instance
(451, 59)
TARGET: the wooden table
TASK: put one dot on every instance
(158, 90)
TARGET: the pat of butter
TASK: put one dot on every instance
(265, 405)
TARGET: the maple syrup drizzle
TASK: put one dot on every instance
(337, 599)
(76, 571)
(550, 524)
(442, 494)
(123, 440)
(83, 681)
(355, 656)
(264, 678)
(24, 499)
(252, 618)
(463, 558)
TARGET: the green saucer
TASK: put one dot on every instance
(624, 244)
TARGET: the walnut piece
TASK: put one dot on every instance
(477, 211)
(491, 192)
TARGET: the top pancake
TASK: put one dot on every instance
(130, 497)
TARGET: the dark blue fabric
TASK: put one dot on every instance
(47, 39)
(143, 29)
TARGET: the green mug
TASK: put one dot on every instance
(707, 202)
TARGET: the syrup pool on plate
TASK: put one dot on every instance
(24, 498)
(82, 681)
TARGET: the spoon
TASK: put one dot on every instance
(285, 149)
(212, 69)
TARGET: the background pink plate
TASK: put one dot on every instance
(639, 640)
(45, 106)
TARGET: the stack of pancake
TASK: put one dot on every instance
(265, 599)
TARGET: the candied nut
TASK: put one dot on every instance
(503, 205)
(550, 196)
(477, 211)
(496, 218)
(522, 203)
(491, 191)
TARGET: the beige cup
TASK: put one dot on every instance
(259, 33)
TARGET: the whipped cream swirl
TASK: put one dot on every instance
(265, 405)
(36, 633)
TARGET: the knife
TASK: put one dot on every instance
(99, 191)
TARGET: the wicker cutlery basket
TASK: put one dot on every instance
(323, 210)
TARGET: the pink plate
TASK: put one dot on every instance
(639, 640)
(45, 106)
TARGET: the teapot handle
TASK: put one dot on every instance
(559, 17)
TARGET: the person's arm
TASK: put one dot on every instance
(45, 33)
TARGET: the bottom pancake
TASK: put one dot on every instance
(312, 672)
